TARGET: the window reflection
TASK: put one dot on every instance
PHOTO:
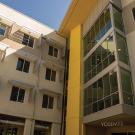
(101, 94)
(98, 30)
(100, 59)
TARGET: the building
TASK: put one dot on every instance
(32, 58)
(101, 86)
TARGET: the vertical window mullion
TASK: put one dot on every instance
(48, 102)
(18, 94)
(23, 65)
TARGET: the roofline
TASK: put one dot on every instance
(32, 19)
(68, 14)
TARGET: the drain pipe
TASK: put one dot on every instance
(62, 130)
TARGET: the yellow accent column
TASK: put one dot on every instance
(73, 124)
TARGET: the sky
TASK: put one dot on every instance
(49, 12)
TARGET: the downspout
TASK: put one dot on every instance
(62, 130)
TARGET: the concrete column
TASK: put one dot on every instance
(29, 127)
(55, 130)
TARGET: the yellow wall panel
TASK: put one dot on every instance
(74, 85)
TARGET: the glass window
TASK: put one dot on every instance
(118, 19)
(100, 59)
(28, 40)
(106, 85)
(100, 105)
(53, 51)
(47, 102)
(127, 87)
(23, 65)
(94, 91)
(53, 76)
(100, 89)
(50, 105)
(98, 95)
(133, 11)
(2, 30)
(126, 81)
(50, 74)
(95, 107)
(50, 52)
(107, 102)
(107, 20)
(17, 94)
(97, 31)
(122, 49)
(128, 99)
(115, 99)
(113, 82)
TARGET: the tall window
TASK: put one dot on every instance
(127, 87)
(47, 102)
(50, 74)
(133, 10)
(97, 31)
(122, 49)
(53, 51)
(2, 30)
(118, 20)
(28, 40)
(100, 59)
(23, 65)
(101, 94)
(17, 94)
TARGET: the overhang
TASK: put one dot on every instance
(76, 14)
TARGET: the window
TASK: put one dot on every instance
(8, 131)
(17, 94)
(23, 65)
(28, 40)
(122, 49)
(47, 102)
(118, 20)
(2, 30)
(100, 59)
(127, 87)
(97, 31)
(50, 75)
(53, 51)
(102, 94)
(133, 11)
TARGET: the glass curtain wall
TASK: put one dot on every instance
(98, 30)
(101, 94)
(102, 57)
(127, 87)
(122, 50)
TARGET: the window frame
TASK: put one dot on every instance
(3, 29)
(52, 75)
(17, 90)
(22, 69)
(48, 105)
(53, 51)
(28, 40)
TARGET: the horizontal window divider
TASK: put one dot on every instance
(98, 44)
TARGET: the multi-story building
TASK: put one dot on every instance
(101, 86)
(32, 59)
